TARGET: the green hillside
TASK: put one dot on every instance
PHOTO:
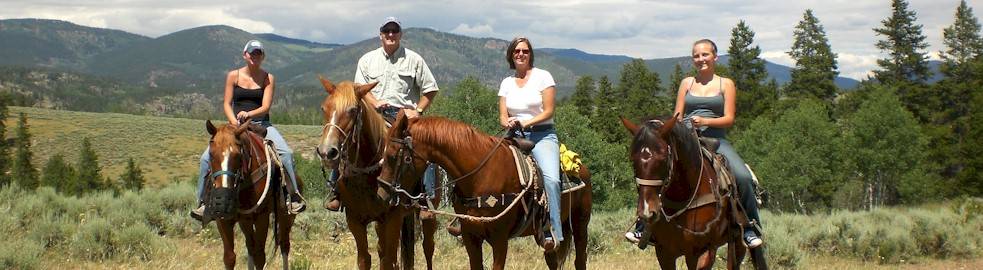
(165, 148)
(52, 43)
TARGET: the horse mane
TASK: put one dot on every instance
(344, 97)
(681, 137)
(437, 130)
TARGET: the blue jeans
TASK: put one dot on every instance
(282, 149)
(745, 184)
(547, 155)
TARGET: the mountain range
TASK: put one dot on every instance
(190, 63)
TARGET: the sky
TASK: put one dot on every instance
(637, 28)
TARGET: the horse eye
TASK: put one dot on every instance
(352, 110)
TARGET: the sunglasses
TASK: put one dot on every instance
(390, 30)
(522, 51)
(256, 53)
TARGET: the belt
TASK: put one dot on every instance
(540, 128)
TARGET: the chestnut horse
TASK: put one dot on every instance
(482, 166)
(239, 193)
(679, 201)
(351, 141)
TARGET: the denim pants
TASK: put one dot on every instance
(744, 182)
(547, 155)
(282, 149)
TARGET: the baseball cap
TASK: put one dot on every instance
(252, 45)
(390, 20)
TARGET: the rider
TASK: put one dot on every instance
(526, 100)
(405, 84)
(248, 96)
(708, 103)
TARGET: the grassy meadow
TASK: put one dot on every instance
(150, 229)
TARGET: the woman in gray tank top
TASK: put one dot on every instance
(707, 102)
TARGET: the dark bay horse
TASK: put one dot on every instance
(352, 140)
(239, 192)
(482, 166)
(678, 198)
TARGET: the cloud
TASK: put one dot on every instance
(483, 30)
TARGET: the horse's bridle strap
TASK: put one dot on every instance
(649, 182)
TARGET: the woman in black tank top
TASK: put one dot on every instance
(248, 97)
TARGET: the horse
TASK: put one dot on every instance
(351, 141)
(482, 168)
(679, 198)
(240, 162)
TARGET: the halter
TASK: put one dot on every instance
(345, 160)
(236, 177)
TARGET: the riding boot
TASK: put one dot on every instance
(333, 200)
(454, 228)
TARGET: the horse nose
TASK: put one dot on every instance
(328, 153)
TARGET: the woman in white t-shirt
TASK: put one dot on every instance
(526, 100)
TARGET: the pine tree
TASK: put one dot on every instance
(89, 174)
(58, 174)
(675, 78)
(903, 42)
(583, 96)
(132, 178)
(610, 105)
(640, 87)
(747, 69)
(4, 146)
(963, 41)
(24, 172)
(815, 63)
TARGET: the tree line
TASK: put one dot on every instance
(896, 139)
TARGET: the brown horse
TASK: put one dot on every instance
(239, 193)
(481, 166)
(352, 140)
(678, 199)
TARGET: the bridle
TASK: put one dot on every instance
(347, 164)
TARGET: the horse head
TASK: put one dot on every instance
(227, 162)
(652, 159)
(343, 111)
(402, 161)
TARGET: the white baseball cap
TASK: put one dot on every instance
(390, 19)
(252, 45)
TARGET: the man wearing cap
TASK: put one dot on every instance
(405, 84)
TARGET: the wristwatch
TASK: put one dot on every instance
(419, 110)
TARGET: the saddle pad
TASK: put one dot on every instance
(526, 166)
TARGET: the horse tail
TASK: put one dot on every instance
(407, 240)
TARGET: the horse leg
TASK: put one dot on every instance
(666, 262)
(226, 230)
(706, 260)
(732, 261)
(500, 250)
(429, 228)
(285, 223)
(261, 229)
(473, 245)
(555, 259)
(758, 258)
(361, 242)
(388, 232)
(580, 236)
(249, 233)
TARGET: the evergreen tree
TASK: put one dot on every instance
(58, 174)
(641, 88)
(473, 103)
(89, 173)
(903, 42)
(4, 146)
(610, 105)
(583, 96)
(747, 69)
(132, 178)
(815, 63)
(675, 78)
(971, 176)
(24, 172)
(963, 41)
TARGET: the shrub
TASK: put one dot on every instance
(93, 240)
(19, 254)
(138, 241)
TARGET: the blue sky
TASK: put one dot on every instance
(637, 28)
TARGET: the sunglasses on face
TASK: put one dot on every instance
(522, 51)
(256, 53)
(390, 31)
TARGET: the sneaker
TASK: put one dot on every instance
(333, 205)
(751, 239)
(199, 212)
(633, 236)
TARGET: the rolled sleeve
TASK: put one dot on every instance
(425, 79)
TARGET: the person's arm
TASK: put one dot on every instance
(549, 98)
(730, 107)
(503, 113)
(230, 79)
(681, 96)
(428, 89)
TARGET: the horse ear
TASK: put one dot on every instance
(328, 87)
(363, 89)
(632, 127)
(401, 126)
(667, 127)
(210, 127)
